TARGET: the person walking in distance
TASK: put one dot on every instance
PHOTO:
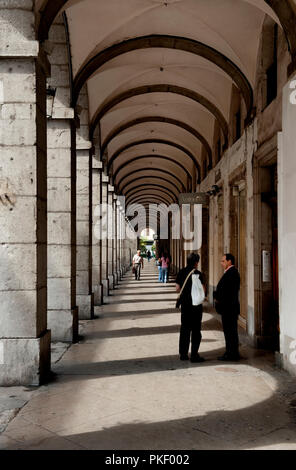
(227, 305)
(138, 263)
(158, 264)
(165, 263)
(191, 286)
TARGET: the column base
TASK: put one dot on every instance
(111, 281)
(25, 361)
(85, 305)
(115, 276)
(105, 284)
(63, 325)
(97, 294)
(287, 355)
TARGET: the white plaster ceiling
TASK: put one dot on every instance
(232, 27)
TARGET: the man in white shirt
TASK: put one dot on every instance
(138, 263)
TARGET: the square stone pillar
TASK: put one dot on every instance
(62, 310)
(84, 295)
(118, 240)
(24, 338)
(287, 228)
(115, 246)
(97, 287)
(110, 240)
(105, 280)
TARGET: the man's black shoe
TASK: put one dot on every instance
(197, 359)
(226, 357)
(184, 357)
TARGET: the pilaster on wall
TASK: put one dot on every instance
(61, 135)
(24, 338)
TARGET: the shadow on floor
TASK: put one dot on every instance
(137, 331)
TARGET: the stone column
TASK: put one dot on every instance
(105, 281)
(24, 338)
(84, 296)
(96, 232)
(115, 274)
(62, 310)
(118, 240)
(61, 167)
(110, 240)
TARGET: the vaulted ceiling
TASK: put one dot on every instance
(159, 75)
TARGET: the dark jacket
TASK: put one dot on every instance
(186, 300)
(227, 293)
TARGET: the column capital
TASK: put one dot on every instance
(105, 179)
(110, 188)
(83, 144)
(96, 164)
(62, 113)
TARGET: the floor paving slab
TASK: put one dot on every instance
(123, 385)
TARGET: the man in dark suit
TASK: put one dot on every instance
(227, 305)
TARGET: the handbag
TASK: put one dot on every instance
(178, 302)
(197, 291)
(133, 270)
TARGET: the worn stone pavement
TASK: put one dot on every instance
(123, 386)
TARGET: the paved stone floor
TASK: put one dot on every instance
(123, 386)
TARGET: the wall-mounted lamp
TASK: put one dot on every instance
(214, 191)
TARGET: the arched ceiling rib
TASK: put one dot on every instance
(152, 141)
(160, 88)
(163, 104)
(217, 23)
(151, 191)
(169, 42)
(152, 119)
(135, 174)
(151, 199)
(153, 158)
(156, 131)
(157, 186)
(174, 59)
(148, 179)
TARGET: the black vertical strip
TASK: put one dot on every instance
(65, 19)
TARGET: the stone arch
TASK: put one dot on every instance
(168, 42)
(167, 120)
(153, 141)
(151, 177)
(285, 11)
(151, 186)
(152, 169)
(163, 157)
(151, 198)
(161, 88)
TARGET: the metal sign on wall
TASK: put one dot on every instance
(194, 198)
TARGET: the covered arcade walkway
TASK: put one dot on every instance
(123, 386)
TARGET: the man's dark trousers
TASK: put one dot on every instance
(191, 318)
(229, 321)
